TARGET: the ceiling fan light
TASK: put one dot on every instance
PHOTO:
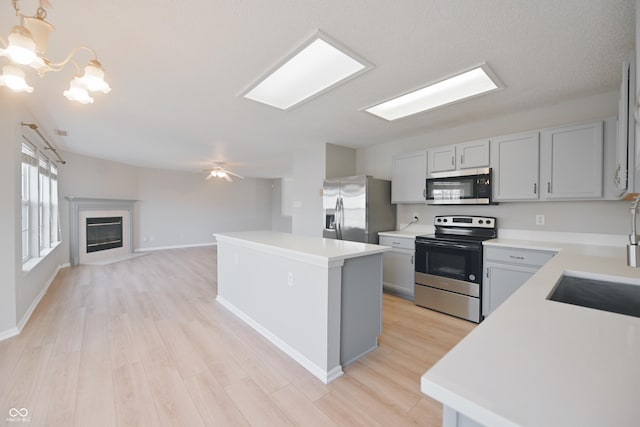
(13, 78)
(22, 48)
(77, 92)
(93, 78)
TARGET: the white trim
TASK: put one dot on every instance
(27, 315)
(161, 248)
(36, 301)
(322, 374)
(9, 333)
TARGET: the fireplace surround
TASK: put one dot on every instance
(83, 208)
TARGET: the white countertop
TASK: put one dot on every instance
(535, 362)
(401, 234)
(312, 249)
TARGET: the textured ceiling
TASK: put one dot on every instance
(177, 68)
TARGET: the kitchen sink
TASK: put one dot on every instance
(615, 296)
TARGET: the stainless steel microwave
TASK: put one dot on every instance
(465, 187)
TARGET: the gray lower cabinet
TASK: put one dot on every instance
(505, 270)
(399, 268)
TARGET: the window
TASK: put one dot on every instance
(40, 224)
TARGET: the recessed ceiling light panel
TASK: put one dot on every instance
(469, 84)
(318, 66)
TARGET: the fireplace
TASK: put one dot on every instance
(100, 230)
(104, 233)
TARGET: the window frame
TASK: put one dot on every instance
(40, 229)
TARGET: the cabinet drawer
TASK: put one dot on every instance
(398, 242)
(517, 256)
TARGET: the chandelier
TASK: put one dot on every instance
(26, 47)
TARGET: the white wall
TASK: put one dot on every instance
(175, 208)
(608, 217)
(280, 219)
(9, 141)
(18, 289)
(182, 208)
(340, 161)
(308, 173)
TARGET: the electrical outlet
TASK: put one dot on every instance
(540, 219)
(290, 279)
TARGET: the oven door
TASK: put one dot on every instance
(448, 278)
(458, 261)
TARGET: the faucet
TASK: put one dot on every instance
(633, 252)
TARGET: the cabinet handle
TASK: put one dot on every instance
(516, 257)
(535, 188)
(461, 159)
(395, 243)
(487, 273)
(616, 178)
(549, 187)
(453, 161)
(411, 259)
(424, 193)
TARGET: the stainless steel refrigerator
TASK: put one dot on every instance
(356, 208)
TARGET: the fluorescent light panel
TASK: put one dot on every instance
(316, 68)
(462, 86)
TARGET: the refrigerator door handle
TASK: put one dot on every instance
(337, 217)
(341, 210)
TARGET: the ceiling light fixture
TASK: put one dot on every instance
(318, 66)
(469, 84)
(27, 45)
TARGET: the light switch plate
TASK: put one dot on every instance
(540, 219)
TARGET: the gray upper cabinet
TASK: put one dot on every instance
(442, 159)
(473, 154)
(409, 176)
(572, 162)
(515, 161)
(466, 155)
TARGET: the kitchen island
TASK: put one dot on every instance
(537, 362)
(318, 300)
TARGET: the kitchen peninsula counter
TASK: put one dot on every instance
(536, 362)
(319, 300)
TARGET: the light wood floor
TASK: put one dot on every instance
(143, 342)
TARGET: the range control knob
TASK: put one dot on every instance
(444, 220)
(438, 220)
(488, 221)
(481, 221)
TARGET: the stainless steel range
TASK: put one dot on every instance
(449, 265)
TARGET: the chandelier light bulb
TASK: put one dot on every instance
(77, 92)
(22, 48)
(13, 78)
(93, 78)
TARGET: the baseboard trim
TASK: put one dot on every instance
(161, 248)
(9, 333)
(323, 375)
(37, 300)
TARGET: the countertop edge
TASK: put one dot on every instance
(320, 260)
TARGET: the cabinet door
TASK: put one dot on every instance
(398, 272)
(473, 154)
(442, 159)
(409, 175)
(515, 161)
(501, 281)
(572, 161)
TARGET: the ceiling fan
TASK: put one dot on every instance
(219, 171)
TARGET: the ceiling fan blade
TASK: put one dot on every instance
(228, 178)
(234, 174)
